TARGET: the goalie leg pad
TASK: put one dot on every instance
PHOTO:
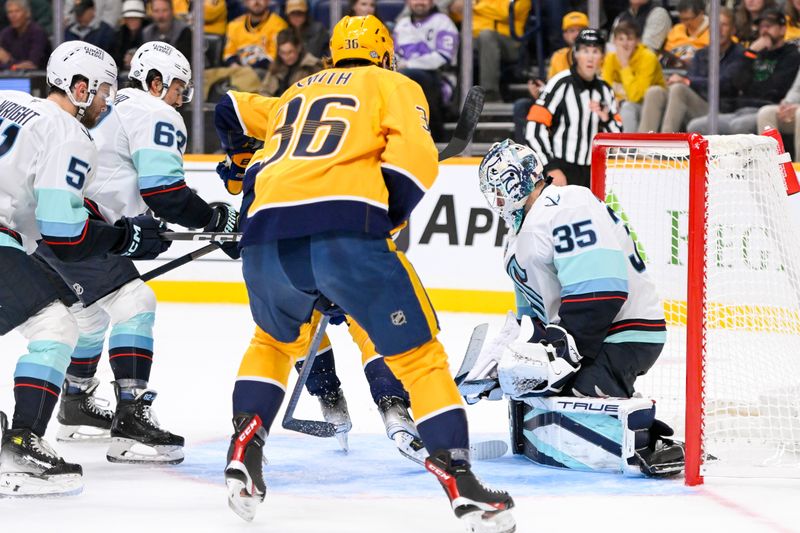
(581, 434)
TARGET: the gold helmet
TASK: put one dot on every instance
(362, 38)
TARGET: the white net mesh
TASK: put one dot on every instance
(752, 354)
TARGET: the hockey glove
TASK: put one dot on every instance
(224, 220)
(327, 307)
(231, 171)
(563, 343)
(486, 364)
(142, 239)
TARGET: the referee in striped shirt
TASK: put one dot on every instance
(574, 105)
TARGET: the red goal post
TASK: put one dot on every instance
(634, 154)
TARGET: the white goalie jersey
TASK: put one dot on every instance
(575, 264)
(141, 142)
(47, 159)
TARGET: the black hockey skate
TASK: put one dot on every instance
(244, 474)
(82, 418)
(481, 509)
(662, 456)
(334, 411)
(401, 429)
(136, 436)
(30, 467)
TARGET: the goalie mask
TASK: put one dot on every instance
(507, 175)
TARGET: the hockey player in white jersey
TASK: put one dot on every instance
(47, 158)
(598, 323)
(141, 142)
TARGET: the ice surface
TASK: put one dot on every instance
(314, 487)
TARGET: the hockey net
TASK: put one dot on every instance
(710, 216)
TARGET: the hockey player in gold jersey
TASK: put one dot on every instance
(240, 120)
(348, 155)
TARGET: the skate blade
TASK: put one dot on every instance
(242, 502)
(486, 450)
(83, 434)
(489, 522)
(410, 447)
(129, 451)
(24, 485)
(342, 439)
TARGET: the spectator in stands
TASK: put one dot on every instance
(785, 117)
(686, 97)
(89, 28)
(130, 34)
(106, 10)
(361, 8)
(792, 21)
(573, 107)
(215, 15)
(292, 64)
(769, 69)
(314, 34)
(688, 36)
(492, 31)
(252, 38)
(746, 16)
(571, 26)
(167, 28)
(653, 21)
(426, 46)
(24, 45)
(631, 70)
(41, 13)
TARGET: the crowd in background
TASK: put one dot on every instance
(655, 59)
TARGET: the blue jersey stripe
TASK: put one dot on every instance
(590, 265)
(60, 229)
(594, 286)
(152, 182)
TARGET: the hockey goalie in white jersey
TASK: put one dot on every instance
(598, 324)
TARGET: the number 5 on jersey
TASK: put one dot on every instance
(302, 125)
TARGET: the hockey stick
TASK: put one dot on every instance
(316, 428)
(210, 236)
(467, 122)
(465, 128)
(180, 261)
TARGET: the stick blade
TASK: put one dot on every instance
(467, 121)
(473, 350)
(315, 428)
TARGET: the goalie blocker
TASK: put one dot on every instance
(594, 434)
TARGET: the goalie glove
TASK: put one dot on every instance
(563, 343)
(534, 369)
(231, 171)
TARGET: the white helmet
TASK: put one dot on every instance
(77, 58)
(168, 61)
(508, 174)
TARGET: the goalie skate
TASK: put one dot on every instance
(84, 417)
(244, 475)
(30, 467)
(482, 510)
(136, 436)
(334, 411)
